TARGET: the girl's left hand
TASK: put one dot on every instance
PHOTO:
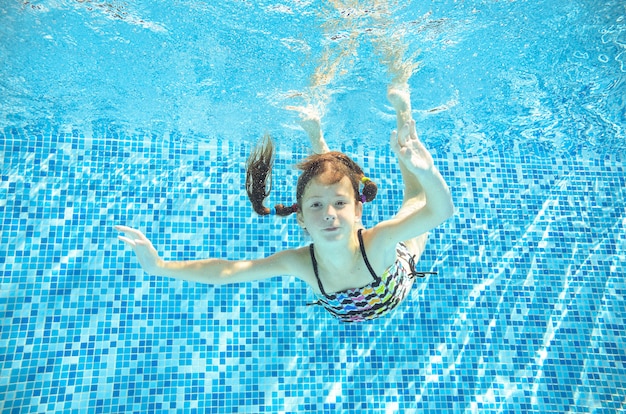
(410, 150)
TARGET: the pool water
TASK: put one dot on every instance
(144, 114)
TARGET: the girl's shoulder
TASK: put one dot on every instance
(380, 248)
(298, 263)
(296, 257)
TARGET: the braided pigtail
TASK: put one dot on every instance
(281, 210)
(369, 189)
(259, 179)
(259, 174)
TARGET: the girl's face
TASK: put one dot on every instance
(329, 212)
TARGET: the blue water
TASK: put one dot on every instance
(143, 114)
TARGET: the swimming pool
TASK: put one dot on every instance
(144, 115)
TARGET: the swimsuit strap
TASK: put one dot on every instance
(367, 262)
(319, 282)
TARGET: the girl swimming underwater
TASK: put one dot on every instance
(357, 273)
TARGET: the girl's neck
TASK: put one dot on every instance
(340, 255)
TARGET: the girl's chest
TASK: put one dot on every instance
(337, 281)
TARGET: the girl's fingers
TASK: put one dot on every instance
(403, 135)
(134, 242)
(126, 240)
(131, 232)
(394, 141)
(412, 131)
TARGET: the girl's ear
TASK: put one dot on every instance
(358, 213)
(300, 219)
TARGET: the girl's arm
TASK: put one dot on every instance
(416, 218)
(211, 271)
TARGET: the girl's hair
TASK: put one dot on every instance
(337, 164)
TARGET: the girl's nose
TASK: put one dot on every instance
(330, 213)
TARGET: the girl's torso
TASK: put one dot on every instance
(376, 298)
(350, 278)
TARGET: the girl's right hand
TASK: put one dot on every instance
(146, 253)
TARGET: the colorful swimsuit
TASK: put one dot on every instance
(376, 298)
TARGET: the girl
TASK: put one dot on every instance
(357, 273)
